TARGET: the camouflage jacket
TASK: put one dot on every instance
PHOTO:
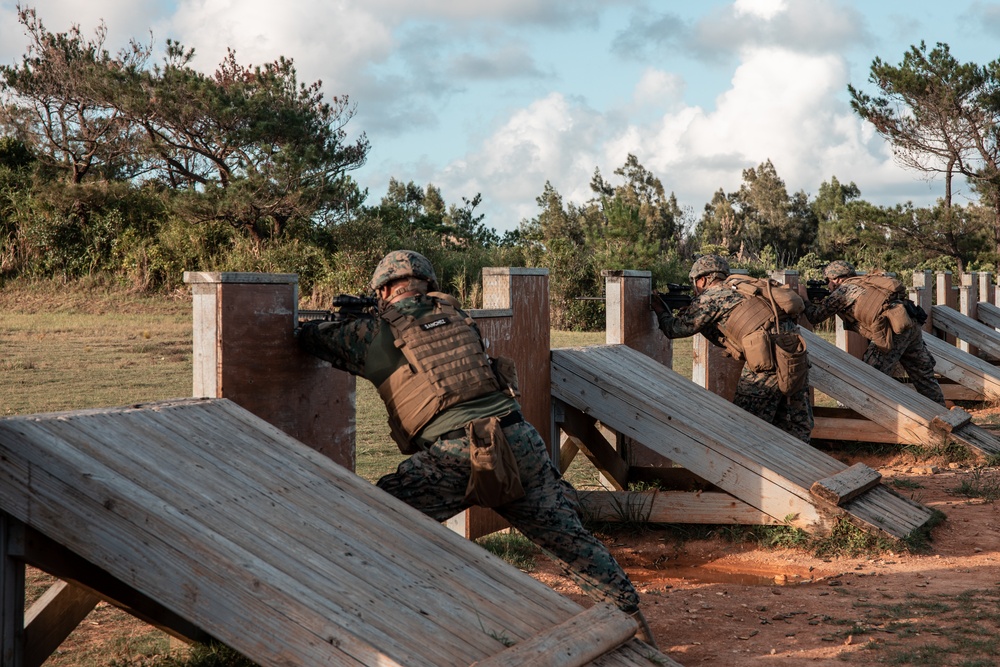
(705, 313)
(839, 301)
(366, 347)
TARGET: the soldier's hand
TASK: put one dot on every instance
(657, 303)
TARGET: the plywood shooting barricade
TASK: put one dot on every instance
(638, 420)
(209, 522)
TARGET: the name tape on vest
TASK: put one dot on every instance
(435, 324)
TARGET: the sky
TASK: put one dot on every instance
(496, 98)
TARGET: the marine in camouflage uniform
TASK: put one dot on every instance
(756, 392)
(908, 348)
(434, 479)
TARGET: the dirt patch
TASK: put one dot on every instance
(718, 602)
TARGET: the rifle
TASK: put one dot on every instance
(677, 296)
(345, 308)
(816, 290)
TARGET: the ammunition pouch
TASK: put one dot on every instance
(758, 350)
(898, 317)
(791, 362)
(494, 479)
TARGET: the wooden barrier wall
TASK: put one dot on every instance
(244, 350)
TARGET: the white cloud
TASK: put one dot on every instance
(552, 139)
(765, 9)
(657, 88)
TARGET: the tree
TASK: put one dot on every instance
(769, 217)
(940, 116)
(657, 216)
(54, 100)
(250, 145)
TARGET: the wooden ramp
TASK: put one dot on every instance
(232, 528)
(757, 463)
(914, 418)
(966, 369)
(973, 332)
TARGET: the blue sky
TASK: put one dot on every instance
(498, 97)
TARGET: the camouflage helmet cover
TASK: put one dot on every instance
(403, 264)
(707, 264)
(838, 269)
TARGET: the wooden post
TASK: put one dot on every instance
(947, 295)
(923, 295)
(711, 368)
(245, 350)
(850, 341)
(986, 292)
(630, 321)
(968, 299)
(12, 593)
(514, 322)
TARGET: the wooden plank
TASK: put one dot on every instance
(967, 329)
(52, 618)
(754, 461)
(951, 420)
(573, 643)
(972, 372)
(853, 430)
(47, 555)
(989, 315)
(884, 400)
(709, 507)
(596, 447)
(846, 485)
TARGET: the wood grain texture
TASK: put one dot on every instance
(265, 543)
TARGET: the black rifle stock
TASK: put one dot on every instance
(675, 298)
(344, 308)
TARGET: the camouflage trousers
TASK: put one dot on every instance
(434, 482)
(910, 352)
(758, 394)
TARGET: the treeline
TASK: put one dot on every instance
(115, 167)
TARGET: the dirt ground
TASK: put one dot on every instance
(717, 602)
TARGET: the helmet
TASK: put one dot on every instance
(707, 264)
(403, 264)
(838, 269)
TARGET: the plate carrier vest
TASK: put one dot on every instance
(869, 314)
(767, 302)
(446, 365)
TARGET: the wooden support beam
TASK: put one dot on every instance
(52, 618)
(846, 484)
(588, 438)
(573, 643)
(989, 315)
(568, 449)
(11, 592)
(708, 507)
(850, 429)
